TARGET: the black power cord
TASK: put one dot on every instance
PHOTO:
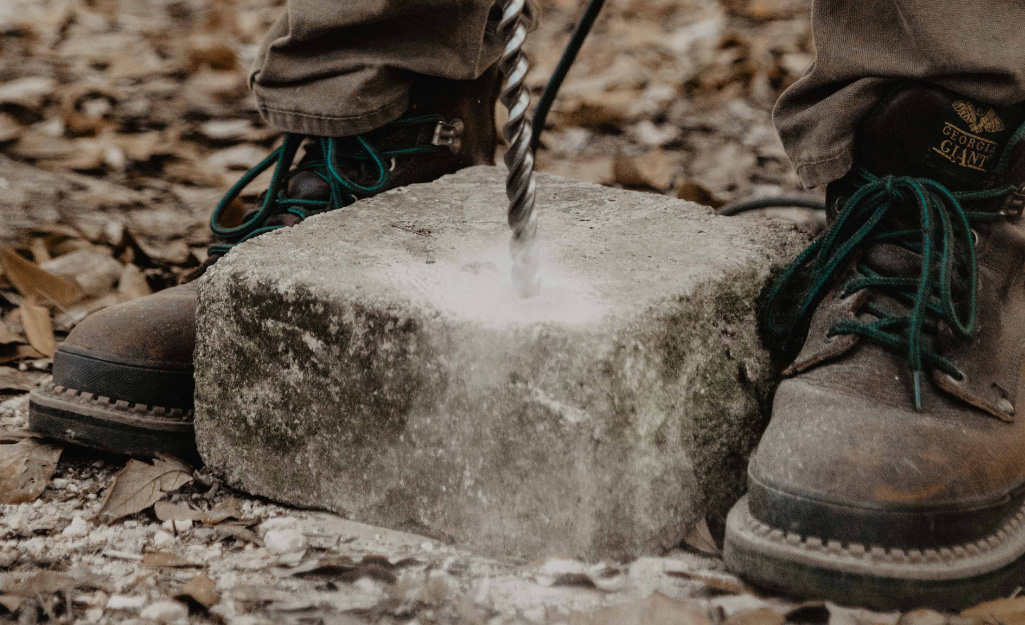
(569, 55)
(771, 202)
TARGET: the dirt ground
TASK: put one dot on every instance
(121, 124)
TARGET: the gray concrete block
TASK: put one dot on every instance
(373, 361)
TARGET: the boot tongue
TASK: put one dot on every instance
(927, 132)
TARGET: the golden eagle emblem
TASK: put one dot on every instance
(979, 119)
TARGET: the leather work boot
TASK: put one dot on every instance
(123, 378)
(892, 473)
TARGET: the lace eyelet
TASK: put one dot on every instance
(975, 237)
(392, 164)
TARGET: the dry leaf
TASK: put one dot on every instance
(132, 284)
(166, 559)
(12, 379)
(930, 617)
(38, 328)
(10, 129)
(607, 109)
(346, 569)
(230, 508)
(694, 192)
(657, 609)
(28, 92)
(92, 267)
(33, 585)
(139, 485)
(170, 511)
(34, 282)
(202, 590)
(654, 169)
(238, 532)
(11, 603)
(716, 582)
(9, 336)
(17, 353)
(25, 470)
(165, 251)
(700, 538)
(1003, 611)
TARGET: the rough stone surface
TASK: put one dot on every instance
(373, 361)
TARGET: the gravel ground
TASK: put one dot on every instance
(275, 564)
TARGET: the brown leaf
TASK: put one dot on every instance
(132, 284)
(720, 583)
(227, 509)
(346, 569)
(926, 616)
(694, 192)
(200, 589)
(230, 508)
(38, 328)
(211, 51)
(9, 336)
(614, 108)
(657, 609)
(238, 532)
(700, 538)
(1003, 611)
(33, 585)
(11, 603)
(25, 470)
(28, 92)
(139, 485)
(654, 170)
(170, 511)
(12, 379)
(166, 559)
(10, 129)
(36, 283)
(92, 267)
(17, 353)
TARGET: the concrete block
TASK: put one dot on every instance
(373, 361)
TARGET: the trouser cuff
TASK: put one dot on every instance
(327, 125)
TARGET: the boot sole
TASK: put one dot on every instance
(112, 425)
(946, 578)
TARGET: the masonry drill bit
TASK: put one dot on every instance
(520, 186)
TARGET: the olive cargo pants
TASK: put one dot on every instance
(341, 67)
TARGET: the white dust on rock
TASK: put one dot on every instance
(477, 287)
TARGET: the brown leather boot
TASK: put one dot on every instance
(122, 380)
(892, 474)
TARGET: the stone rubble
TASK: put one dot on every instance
(258, 581)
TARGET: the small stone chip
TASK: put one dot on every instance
(77, 527)
(166, 612)
(281, 542)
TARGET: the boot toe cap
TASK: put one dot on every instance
(139, 351)
(854, 468)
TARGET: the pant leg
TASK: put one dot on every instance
(863, 46)
(342, 67)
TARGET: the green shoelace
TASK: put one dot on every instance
(343, 189)
(945, 244)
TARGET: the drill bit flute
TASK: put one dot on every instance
(520, 186)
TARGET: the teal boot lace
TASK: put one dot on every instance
(944, 242)
(343, 189)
